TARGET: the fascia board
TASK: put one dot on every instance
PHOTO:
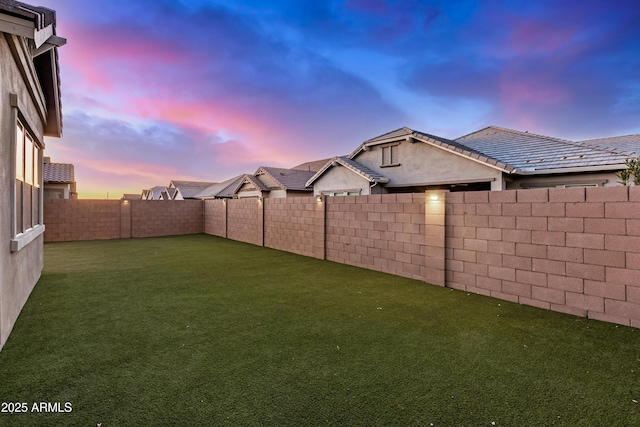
(17, 26)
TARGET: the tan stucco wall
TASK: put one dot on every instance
(339, 178)
(605, 179)
(423, 163)
(19, 271)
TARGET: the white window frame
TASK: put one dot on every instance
(21, 236)
(390, 155)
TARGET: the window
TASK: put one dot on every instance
(390, 155)
(28, 180)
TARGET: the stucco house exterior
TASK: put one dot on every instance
(30, 109)
(493, 158)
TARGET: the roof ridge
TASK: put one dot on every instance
(609, 137)
(403, 128)
(529, 133)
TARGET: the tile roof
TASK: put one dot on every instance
(529, 152)
(224, 189)
(288, 179)
(626, 143)
(62, 173)
(40, 16)
(462, 149)
(46, 50)
(190, 189)
(313, 166)
(253, 180)
(354, 166)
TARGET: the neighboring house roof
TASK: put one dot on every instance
(39, 24)
(190, 189)
(221, 190)
(446, 144)
(627, 143)
(288, 179)
(250, 179)
(528, 153)
(168, 193)
(312, 166)
(352, 165)
(156, 192)
(59, 173)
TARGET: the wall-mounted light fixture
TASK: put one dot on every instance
(434, 198)
(319, 198)
(126, 202)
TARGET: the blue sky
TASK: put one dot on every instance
(205, 90)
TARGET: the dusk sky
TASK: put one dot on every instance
(155, 90)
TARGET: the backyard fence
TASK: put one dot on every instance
(72, 220)
(570, 250)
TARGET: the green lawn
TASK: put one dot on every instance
(198, 330)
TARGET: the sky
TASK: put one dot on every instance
(204, 90)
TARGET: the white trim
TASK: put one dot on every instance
(23, 239)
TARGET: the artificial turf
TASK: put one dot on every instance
(198, 330)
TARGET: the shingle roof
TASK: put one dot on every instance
(288, 179)
(529, 152)
(354, 166)
(61, 173)
(627, 143)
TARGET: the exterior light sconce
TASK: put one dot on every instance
(126, 202)
(434, 198)
(319, 198)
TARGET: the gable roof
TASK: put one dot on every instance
(59, 173)
(626, 143)
(190, 189)
(288, 179)
(221, 190)
(408, 134)
(527, 153)
(352, 165)
(250, 179)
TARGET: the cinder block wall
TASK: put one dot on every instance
(245, 220)
(386, 233)
(151, 218)
(72, 220)
(571, 250)
(295, 225)
(215, 217)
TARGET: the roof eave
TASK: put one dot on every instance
(598, 168)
